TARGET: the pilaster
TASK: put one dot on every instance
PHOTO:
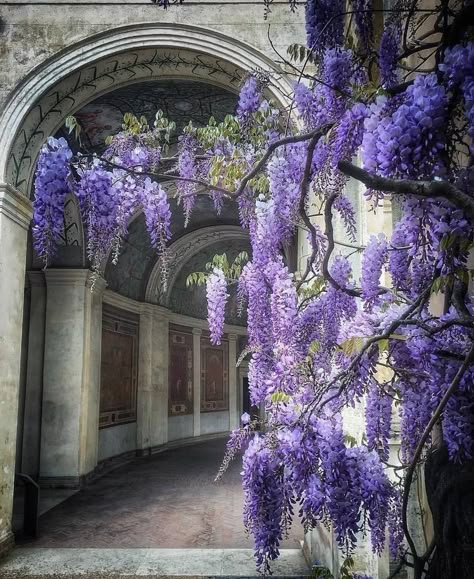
(145, 385)
(152, 395)
(159, 407)
(15, 216)
(34, 375)
(233, 406)
(71, 376)
(197, 381)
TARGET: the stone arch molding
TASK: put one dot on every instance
(103, 62)
(182, 251)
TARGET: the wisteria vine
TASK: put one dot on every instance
(332, 335)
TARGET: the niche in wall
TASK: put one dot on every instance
(214, 376)
(119, 367)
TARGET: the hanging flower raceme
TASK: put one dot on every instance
(98, 202)
(405, 137)
(250, 97)
(217, 296)
(264, 493)
(388, 54)
(378, 420)
(186, 190)
(51, 187)
(373, 260)
(158, 220)
(363, 18)
(324, 23)
(458, 67)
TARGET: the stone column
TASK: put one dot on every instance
(234, 418)
(144, 390)
(15, 216)
(71, 377)
(197, 381)
(152, 395)
(159, 407)
(34, 376)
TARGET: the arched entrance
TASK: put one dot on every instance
(70, 361)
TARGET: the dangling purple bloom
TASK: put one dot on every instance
(216, 290)
(98, 201)
(373, 260)
(378, 419)
(187, 170)
(324, 23)
(363, 17)
(388, 54)
(249, 99)
(51, 188)
(158, 220)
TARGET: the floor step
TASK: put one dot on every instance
(39, 563)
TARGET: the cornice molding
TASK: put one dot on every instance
(15, 206)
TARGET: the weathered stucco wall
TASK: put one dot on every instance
(31, 32)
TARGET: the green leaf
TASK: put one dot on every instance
(383, 345)
(350, 440)
(280, 397)
(353, 345)
(314, 347)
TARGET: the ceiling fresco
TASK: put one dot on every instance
(130, 275)
(180, 100)
(193, 302)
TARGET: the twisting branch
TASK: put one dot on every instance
(167, 177)
(469, 359)
(305, 182)
(426, 189)
(330, 248)
(270, 150)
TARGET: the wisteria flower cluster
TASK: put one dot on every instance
(52, 184)
(216, 290)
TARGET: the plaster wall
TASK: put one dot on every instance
(117, 440)
(213, 422)
(33, 32)
(180, 427)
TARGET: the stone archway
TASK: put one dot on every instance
(181, 251)
(59, 87)
(35, 110)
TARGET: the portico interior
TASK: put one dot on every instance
(120, 368)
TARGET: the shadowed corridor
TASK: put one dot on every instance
(167, 500)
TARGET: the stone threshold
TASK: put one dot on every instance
(41, 563)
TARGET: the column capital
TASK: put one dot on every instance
(15, 206)
(232, 337)
(66, 276)
(74, 277)
(158, 312)
(197, 331)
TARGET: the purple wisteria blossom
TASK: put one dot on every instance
(373, 261)
(216, 291)
(51, 187)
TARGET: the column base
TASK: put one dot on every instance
(66, 482)
(7, 543)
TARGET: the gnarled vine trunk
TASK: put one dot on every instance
(450, 493)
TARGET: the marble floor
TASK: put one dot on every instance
(167, 500)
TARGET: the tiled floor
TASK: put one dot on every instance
(168, 500)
